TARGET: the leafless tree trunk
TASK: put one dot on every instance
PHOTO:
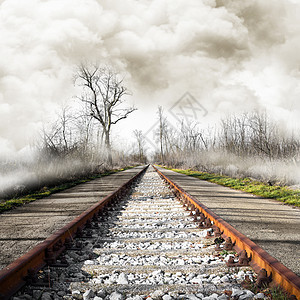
(103, 94)
(57, 139)
(262, 131)
(83, 123)
(140, 139)
(236, 134)
(162, 132)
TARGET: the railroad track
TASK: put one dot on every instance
(144, 244)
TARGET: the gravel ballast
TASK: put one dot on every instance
(148, 247)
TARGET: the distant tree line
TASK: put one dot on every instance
(255, 134)
(236, 142)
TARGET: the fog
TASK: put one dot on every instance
(275, 171)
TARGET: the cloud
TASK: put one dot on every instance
(232, 55)
(190, 29)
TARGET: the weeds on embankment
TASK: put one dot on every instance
(283, 194)
(47, 191)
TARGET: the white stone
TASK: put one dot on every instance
(200, 295)
(157, 294)
(259, 296)
(237, 292)
(196, 280)
(216, 280)
(97, 298)
(156, 272)
(97, 281)
(108, 281)
(192, 297)
(88, 294)
(76, 295)
(130, 277)
(137, 297)
(173, 294)
(167, 297)
(248, 296)
(225, 278)
(116, 296)
(190, 276)
(180, 262)
(122, 279)
(89, 262)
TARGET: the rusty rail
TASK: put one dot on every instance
(281, 275)
(13, 277)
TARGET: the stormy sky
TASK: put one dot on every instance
(231, 55)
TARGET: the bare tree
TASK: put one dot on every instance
(103, 93)
(140, 139)
(191, 137)
(84, 127)
(57, 139)
(72, 133)
(163, 133)
(236, 134)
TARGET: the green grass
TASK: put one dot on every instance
(276, 293)
(46, 191)
(280, 193)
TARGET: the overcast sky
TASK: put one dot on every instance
(231, 55)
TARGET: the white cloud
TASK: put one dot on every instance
(232, 55)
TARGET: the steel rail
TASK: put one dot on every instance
(281, 275)
(14, 276)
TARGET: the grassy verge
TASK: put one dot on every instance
(283, 194)
(47, 191)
